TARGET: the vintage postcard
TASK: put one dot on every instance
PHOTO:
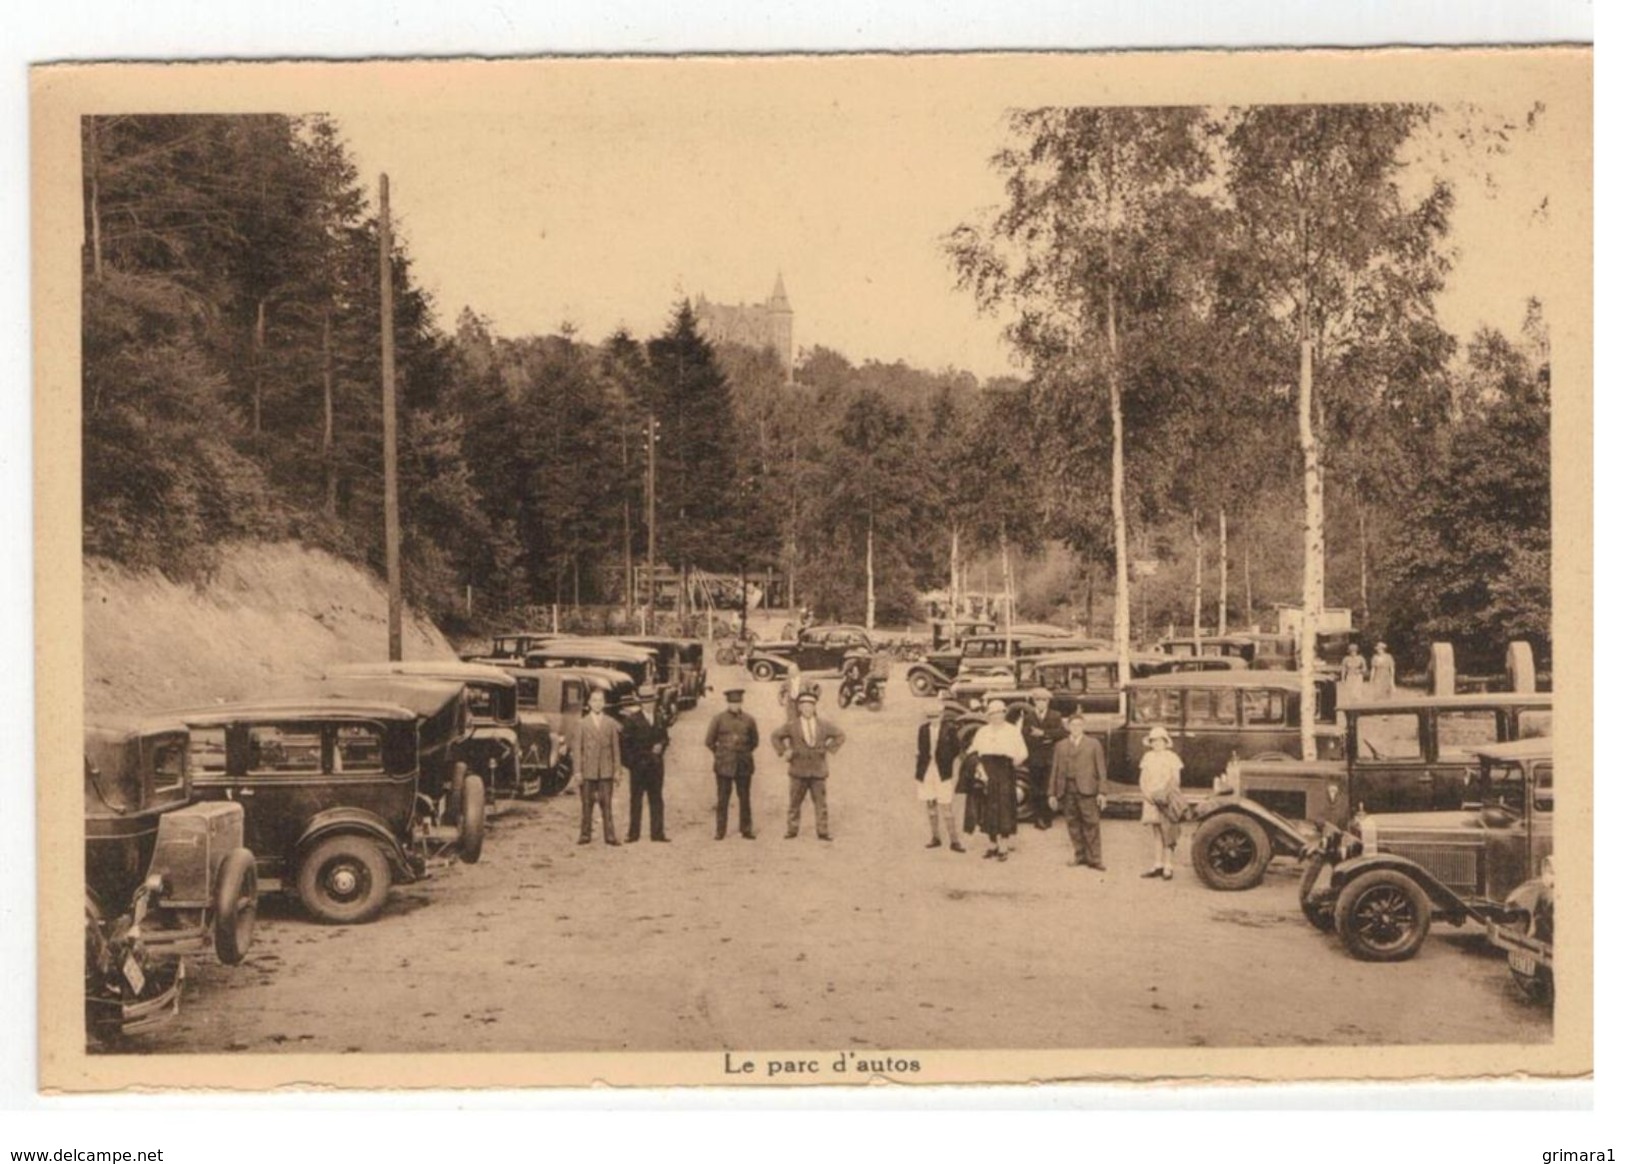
(814, 570)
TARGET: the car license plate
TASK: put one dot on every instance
(1522, 962)
(133, 975)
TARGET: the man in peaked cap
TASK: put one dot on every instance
(808, 742)
(732, 739)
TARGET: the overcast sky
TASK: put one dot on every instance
(602, 196)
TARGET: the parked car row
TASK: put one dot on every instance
(332, 790)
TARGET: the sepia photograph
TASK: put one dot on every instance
(808, 570)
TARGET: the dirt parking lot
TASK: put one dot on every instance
(870, 942)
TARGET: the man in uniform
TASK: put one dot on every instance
(732, 739)
(595, 742)
(1077, 787)
(1042, 728)
(808, 742)
(645, 751)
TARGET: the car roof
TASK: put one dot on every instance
(437, 669)
(120, 728)
(589, 648)
(1482, 699)
(1068, 657)
(1534, 748)
(336, 707)
(1273, 680)
(422, 695)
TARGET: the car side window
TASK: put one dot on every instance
(1543, 787)
(527, 691)
(357, 747)
(1389, 737)
(169, 764)
(1263, 708)
(1157, 706)
(1203, 706)
(1098, 679)
(1461, 732)
(572, 695)
(1534, 725)
(480, 700)
(208, 751)
(284, 747)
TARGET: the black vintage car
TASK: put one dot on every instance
(330, 789)
(815, 650)
(165, 876)
(1381, 882)
(640, 664)
(492, 747)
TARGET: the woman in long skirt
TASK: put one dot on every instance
(1000, 748)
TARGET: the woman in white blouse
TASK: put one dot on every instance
(1160, 767)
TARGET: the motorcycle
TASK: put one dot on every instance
(868, 690)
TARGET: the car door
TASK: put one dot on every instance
(1208, 734)
(277, 767)
(1508, 833)
(1388, 771)
(1457, 734)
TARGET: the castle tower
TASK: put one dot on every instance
(782, 321)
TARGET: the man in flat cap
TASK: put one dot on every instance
(808, 741)
(1042, 728)
(732, 738)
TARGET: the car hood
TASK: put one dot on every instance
(1387, 828)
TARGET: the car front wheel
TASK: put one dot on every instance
(1383, 916)
(761, 671)
(1230, 852)
(920, 683)
(471, 826)
(344, 880)
(236, 906)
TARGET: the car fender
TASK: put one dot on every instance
(1444, 899)
(938, 676)
(780, 665)
(334, 821)
(1285, 838)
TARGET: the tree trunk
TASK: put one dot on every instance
(259, 359)
(795, 518)
(1247, 576)
(1196, 606)
(869, 575)
(1089, 600)
(93, 163)
(1314, 541)
(1114, 382)
(1224, 575)
(953, 581)
(1009, 594)
(330, 469)
(1365, 592)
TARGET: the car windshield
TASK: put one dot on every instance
(169, 763)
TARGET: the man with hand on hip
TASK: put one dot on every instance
(808, 741)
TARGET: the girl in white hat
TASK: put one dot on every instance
(1160, 767)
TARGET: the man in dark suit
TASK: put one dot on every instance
(644, 747)
(1042, 728)
(732, 739)
(595, 742)
(937, 747)
(1078, 788)
(808, 742)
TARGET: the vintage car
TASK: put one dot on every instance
(165, 876)
(1272, 652)
(675, 667)
(1529, 936)
(1217, 646)
(549, 698)
(1382, 882)
(640, 664)
(515, 645)
(492, 746)
(330, 792)
(1412, 754)
(948, 633)
(816, 650)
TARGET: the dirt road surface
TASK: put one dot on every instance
(870, 942)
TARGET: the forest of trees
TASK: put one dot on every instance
(232, 391)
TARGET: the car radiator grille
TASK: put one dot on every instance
(1453, 865)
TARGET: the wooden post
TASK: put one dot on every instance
(649, 493)
(330, 470)
(392, 506)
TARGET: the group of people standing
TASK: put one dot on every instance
(806, 740)
(1361, 680)
(1066, 773)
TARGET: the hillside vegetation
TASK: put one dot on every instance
(270, 615)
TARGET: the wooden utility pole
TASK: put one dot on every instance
(329, 467)
(93, 163)
(392, 505)
(650, 491)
